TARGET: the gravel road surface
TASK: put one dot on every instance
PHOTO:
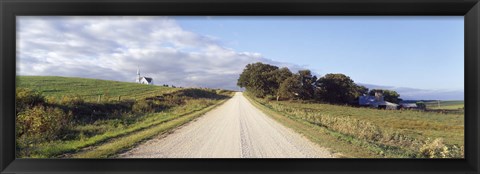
(236, 129)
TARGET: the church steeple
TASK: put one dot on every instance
(138, 74)
(138, 70)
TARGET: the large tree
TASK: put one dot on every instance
(362, 90)
(308, 82)
(280, 75)
(259, 79)
(337, 88)
(290, 88)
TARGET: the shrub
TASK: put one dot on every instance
(221, 91)
(200, 103)
(421, 105)
(71, 100)
(51, 99)
(142, 106)
(434, 149)
(26, 98)
(193, 93)
(457, 152)
(270, 97)
(41, 122)
(174, 100)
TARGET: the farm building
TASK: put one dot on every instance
(143, 79)
(408, 106)
(376, 101)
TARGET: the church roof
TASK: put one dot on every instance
(149, 79)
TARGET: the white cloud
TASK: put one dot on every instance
(112, 47)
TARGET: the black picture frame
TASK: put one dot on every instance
(470, 9)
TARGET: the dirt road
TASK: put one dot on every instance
(235, 129)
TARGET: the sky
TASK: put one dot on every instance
(419, 57)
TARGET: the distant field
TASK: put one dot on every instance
(452, 104)
(412, 123)
(64, 117)
(385, 133)
(90, 89)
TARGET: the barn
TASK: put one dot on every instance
(405, 105)
(376, 101)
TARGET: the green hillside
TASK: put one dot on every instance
(90, 118)
(89, 89)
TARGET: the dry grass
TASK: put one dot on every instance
(388, 133)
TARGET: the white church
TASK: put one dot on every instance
(143, 79)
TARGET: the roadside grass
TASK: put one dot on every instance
(339, 145)
(385, 133)
(114, 146)
(56, 148)
(49, 128)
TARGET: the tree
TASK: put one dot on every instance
(362, 90)
(337, 88)
(388, 95)
(290, 87)
(421, 105)
(308, 82)
(259, 79)
(280, 75)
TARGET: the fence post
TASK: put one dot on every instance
(99, 98)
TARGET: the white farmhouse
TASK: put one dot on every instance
(143, 79)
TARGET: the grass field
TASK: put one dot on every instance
(450, 105)
(95, 128)
(90, 89)
(384, 133)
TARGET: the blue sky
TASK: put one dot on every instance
(421, 57)
(417, 52)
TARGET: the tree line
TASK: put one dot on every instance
(268, 81)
